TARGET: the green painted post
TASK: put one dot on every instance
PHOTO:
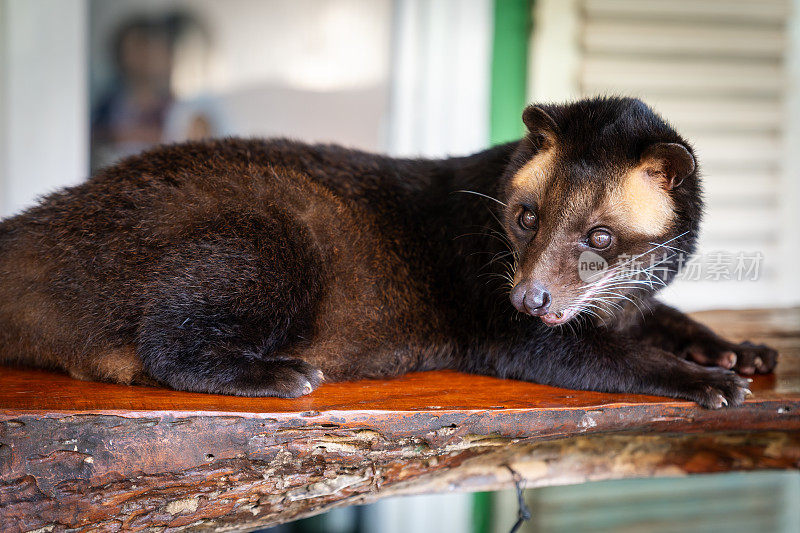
(512, 29)
(482, 512)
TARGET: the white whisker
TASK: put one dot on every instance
(483, 195)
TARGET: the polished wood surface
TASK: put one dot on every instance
(35, 390)
(81, 455)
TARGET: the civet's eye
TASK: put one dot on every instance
(599, 239)
(528, 220)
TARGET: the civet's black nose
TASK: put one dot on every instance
(531, 298)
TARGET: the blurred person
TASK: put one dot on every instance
(131, 115)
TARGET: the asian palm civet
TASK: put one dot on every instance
(262, 267)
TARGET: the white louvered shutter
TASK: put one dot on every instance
(717, 70)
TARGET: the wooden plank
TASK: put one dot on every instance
(76, 454)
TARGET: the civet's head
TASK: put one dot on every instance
(602, 203)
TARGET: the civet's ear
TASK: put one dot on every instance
(537, 119)
(542, 127)
(670, 162)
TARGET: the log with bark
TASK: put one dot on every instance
(103, 457)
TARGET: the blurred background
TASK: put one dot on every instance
(84, 82)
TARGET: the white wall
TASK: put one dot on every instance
(43, 99)
(305, 44)
(313, 70)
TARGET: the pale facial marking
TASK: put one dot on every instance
(536, 173)
(641, 204)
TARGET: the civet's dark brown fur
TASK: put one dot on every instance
(256, 267)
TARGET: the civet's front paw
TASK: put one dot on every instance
(715, 387)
